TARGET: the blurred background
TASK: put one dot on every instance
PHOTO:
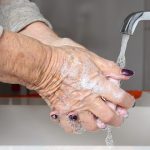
(96, 24)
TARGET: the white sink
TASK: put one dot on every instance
(30, 125)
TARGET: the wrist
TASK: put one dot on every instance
(50, 79)
(41, 32)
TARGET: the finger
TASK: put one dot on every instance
(64, 122)
(101, 124)
(114, 93)
(88, 121)
(122, 112)
(71, 124)
(111, 105)
(104, 113)
(62, 119)
(114, 81)
(111, 69)
(121, 74)
(119, 110)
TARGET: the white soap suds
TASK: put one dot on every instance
(119, 95)
(88, 84)
(71, 67)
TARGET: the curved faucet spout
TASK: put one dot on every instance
(132, 21)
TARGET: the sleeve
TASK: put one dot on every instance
(17, 14)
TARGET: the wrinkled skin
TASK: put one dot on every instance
(72, 88)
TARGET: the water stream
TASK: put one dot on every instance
(121, 61)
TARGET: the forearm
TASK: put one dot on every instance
(20, 62)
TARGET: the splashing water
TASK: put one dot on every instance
(121, 61)
(109, 138)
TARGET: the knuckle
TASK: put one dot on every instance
(65, 40)
(123, 103)
(120, 101)
(112, 64)
(120, 97)
(108, 118)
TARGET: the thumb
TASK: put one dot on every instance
(118, 74)
(112, 70)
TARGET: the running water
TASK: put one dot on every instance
(109, 138)
(121, 61)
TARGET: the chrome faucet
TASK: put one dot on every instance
(132, 21)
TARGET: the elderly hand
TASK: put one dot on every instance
(83, 94)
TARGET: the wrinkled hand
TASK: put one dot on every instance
(78, 82)
(84, 85)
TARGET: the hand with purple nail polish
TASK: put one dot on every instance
(82, 79)
(74, 80)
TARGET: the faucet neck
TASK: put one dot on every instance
(132, 20)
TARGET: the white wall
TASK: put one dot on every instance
(96, 24)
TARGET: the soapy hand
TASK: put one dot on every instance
(85, 89)
(78, 83)
(114, 79)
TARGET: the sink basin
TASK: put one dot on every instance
(30, 125)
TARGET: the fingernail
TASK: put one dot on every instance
(103, 126)
(134, 104)
(126, 115)
(100, 124)
(73, 117)
(54, 116)
(122, 112)
(127, 72)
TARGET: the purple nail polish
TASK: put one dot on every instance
(73, 117)
(127, 72)
(54, 116)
